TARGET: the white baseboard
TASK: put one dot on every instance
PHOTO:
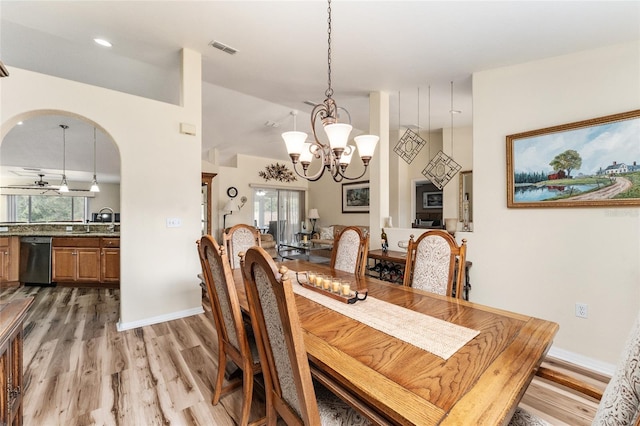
(122, 326)
(582, 361)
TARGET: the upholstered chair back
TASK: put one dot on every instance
(433, 261)
(291, 393)
(233, 340)
(350, 249)
(280, 342)
(238, 239)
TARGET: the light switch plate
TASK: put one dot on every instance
(174, 222)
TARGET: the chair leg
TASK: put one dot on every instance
(222, 361)
(247, 394)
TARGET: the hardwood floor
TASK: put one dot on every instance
(79, 370)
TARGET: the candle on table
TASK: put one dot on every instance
(335, 286)
(346, 289)
(304, 238)
(326, 283)
(312, 278)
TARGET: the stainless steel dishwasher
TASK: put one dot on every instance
(35, 260)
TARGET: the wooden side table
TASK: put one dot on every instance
(12, 316)
(387, 266)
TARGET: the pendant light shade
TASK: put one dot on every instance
(64, 186)
(94, 183)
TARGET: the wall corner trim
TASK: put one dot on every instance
(582, 361)
(122, 326)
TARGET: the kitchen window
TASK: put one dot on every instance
(45, 208)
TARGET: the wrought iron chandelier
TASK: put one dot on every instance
(336, 155)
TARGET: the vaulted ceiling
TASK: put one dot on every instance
(401, 47)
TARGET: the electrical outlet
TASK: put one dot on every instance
(582, 310)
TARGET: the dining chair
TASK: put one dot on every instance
(620, 402)
(435, 263)
(350, 248)
(239, 238)
(291, 394)
(234, 340)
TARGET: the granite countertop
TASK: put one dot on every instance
(58, 234)
(58, 230)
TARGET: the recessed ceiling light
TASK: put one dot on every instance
(20, 123)
(102, 42)
(455, 111)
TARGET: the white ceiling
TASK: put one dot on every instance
(394, 46)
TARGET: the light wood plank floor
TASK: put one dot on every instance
(79, 370)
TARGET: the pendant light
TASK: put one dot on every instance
(64, 187)
(335, 156)
(94, 183)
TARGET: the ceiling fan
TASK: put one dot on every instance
(39, 184)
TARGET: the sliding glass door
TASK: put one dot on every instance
(279, 212)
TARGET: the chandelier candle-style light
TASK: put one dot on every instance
(336, 156)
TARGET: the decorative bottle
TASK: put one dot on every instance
(384, 241)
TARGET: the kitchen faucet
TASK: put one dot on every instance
(112, 225)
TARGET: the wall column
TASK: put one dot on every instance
(379, 168)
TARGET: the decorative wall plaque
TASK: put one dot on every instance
(278, 172)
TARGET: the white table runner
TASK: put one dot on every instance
(436, 336)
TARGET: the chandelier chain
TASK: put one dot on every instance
(334, 157)
(329, 92)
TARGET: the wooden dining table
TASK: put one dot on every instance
(480, 384)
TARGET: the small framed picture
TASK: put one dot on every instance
(355, 197)
(432, 200)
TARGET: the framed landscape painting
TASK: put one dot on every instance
(355, 197)
(432, 200)
(590, 163)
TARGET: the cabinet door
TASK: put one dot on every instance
(88, 264)
(110, 265)
(4, 264)
(5, 372)
(15, 395)
(63, 264)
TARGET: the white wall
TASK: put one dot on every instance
(160, 178)
(243, 176)
(541, 261)
(326, 196)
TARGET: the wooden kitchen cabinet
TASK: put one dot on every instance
(82, 260)
(110, 260)
(9, 260)
(12, 316)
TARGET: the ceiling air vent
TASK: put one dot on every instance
(221, 46)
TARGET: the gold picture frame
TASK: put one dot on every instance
(591, 163)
